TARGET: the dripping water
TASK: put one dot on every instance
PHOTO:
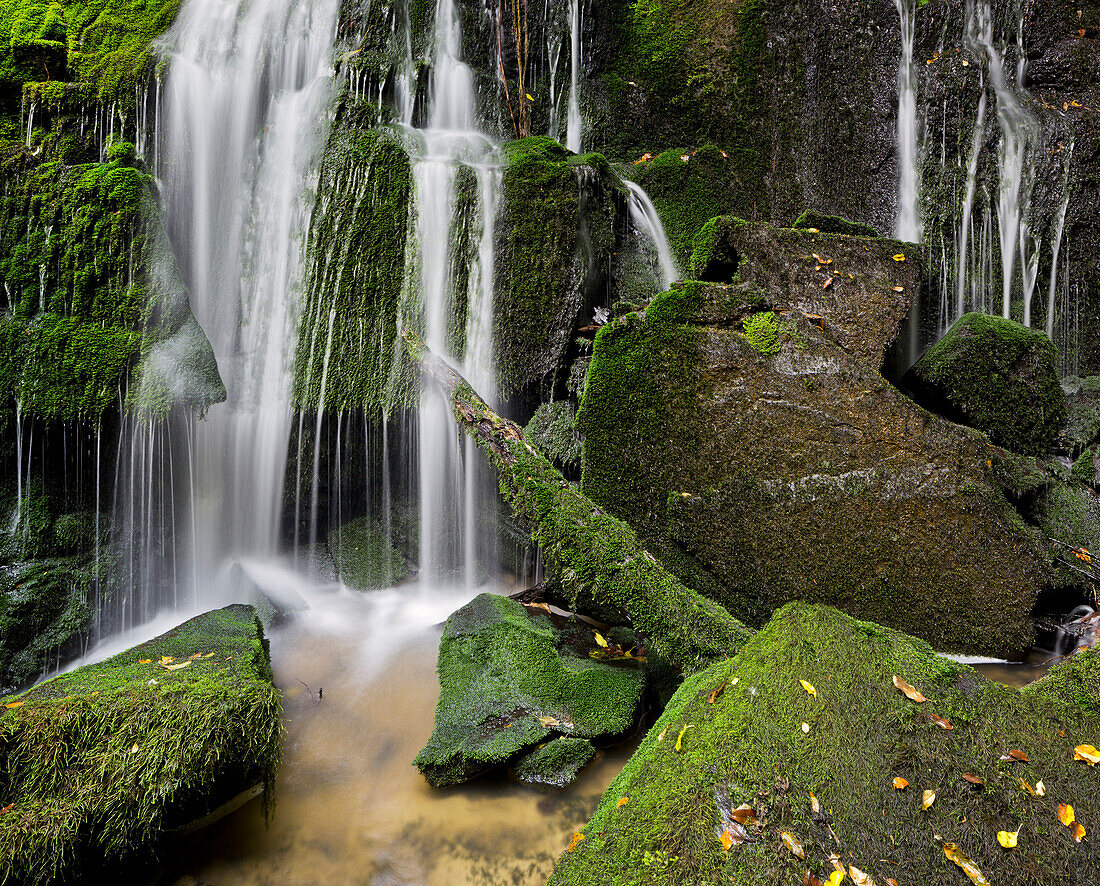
(908, 222)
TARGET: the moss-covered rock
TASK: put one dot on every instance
(555, 237)
(553, 430)
(364, 555)
(832, 224)
(995, 375)
(1082, 413)
(746, 433)
(510, 678)
(766, 741)
(555, 764)
(100, 762)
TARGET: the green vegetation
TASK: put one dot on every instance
(365, 557)
(100, 762)
(555, 764)
(553, 430)
(510, 678)
(762, 331)
(995, 375)
(832, 224)
(710, 753)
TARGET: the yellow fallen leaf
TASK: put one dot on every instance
(969, 868)
(622, 802)
(835, 878)
(1065, 814)
(727, 840)
(791, 843)
(828, 282)
(806, 728)
(176, 667)
(165, 659)
(134, 749)
(941, 722)
(680, 737)
(900, 783)
(815, 804)
(743, 814)
(899, 289)
(927, 799)
(577, 837)
(858, 877)
(899, 257)
(1024, 786)
(600, 639)
(210, 655)
(547, 722)
(809, 688)
(530, 97)
(14, 704)
(1008, 838)
(1040, 789)
(661, 737)
(908, 690)
(145, 661)
(1078, 832)
(1087, 753)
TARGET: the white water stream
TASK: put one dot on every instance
(574, 125)
(908, 226)
(645, 218)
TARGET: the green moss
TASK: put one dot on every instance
(713, 256)
(702, 760)
(502, 668)
(1084, 469)
(832, 224)
(995, 375)
(98, 763)
(364, 556)
(762, 331)
(555, 237)
(552, 429)
(347, 354)
(555, 764)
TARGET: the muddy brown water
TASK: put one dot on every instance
(351, 808)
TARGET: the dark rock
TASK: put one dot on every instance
(510, 678)
(1082, 414)
(759, 453)
(702, 760)
(364, 555)
(997, 376)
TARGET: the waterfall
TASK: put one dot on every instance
(1056, 248)
(574, 125)
(963, 258)
(243, 118)
(908, 226)
(645, 218)
(457, 319)
(1015, 167)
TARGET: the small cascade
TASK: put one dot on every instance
(1056, 245)
(645, 218)
(908, 225)
(964, 260)
(574, 134)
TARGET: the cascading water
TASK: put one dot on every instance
(574, 135)
(645, 218)
(908, 226)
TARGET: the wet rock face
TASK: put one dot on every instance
(997, 376)
(733, 734)
(512, 677)
(760, 454)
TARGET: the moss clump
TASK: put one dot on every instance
(98, 763)
(347, 354)
(555, 764)
(553, 430)
(1083, 413)
(555, 236)
(701, 760)
(689, 188)
(995, 375)
(512, 677)
(714, 258)
(762, 331)
(364, 556)
(832, 224)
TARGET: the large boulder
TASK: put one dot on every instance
(101, 762)
(806, 728)
(746, 433)
(511, 677)
(1082, 413)
(997, 376)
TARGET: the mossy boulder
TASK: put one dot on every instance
(832, 224)
(555, 764)
(555, 238)
(1082, 413)
(511, 677)
(746, 731)
(553, 430)
(746, 433)
(364, 555)
(995, 375)
(100, 763)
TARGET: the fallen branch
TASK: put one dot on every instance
(598, 558)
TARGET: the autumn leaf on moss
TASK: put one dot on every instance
(941, 722)
(900, 783)
(622, 802)
(1078, 832)
(1024, 786)
(910, 691)
(1065, 814)
(1087, 753)
(577, 837)
(14, 704)
(969, 868)
(809, 688)
(680, 737)
(1008, 839)
(973, 779)
(791, 842)
(927, 799)
(859, 877)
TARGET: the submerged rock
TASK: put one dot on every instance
(512, 677)
(805, 727)
(101, 762)
(997, 376)
(746, 433)
(364, 556)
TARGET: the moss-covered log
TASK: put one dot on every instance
(818, 760)
(96, 764)
(598, 558)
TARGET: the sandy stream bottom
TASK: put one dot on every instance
(350, 807)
